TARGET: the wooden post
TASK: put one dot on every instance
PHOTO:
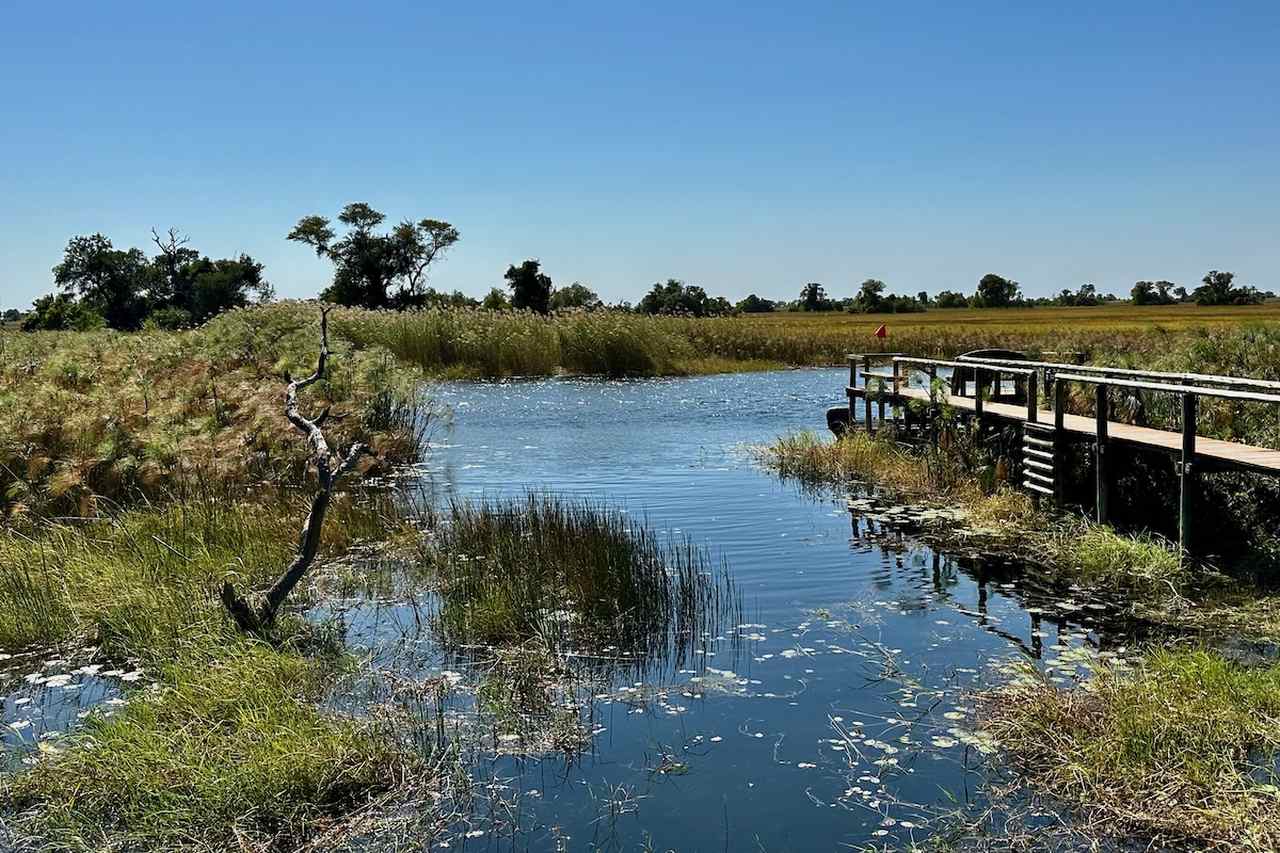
(1186, 472)
(1033, 403)
(1059, 440)
(853, 383)
(893, 405)
(977, 393)
(1101, 414)
(866, 392)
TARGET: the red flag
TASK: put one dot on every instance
(882, 332)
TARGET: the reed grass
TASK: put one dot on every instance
(1181, 751)
(569, 573)
(92, 419)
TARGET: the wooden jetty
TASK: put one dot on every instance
(1003, 387)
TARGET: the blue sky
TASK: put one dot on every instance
(744, 147)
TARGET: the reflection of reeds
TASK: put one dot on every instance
(583, 578)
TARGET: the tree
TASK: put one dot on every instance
(995, 291)
(1218, 289)
(756, 305)
(60, 312)
(814, 298)
(530, 288)
(1152, 293)
(870, 298)
(923, 298)
(576, 295)
(12, 315)
(496, 300)
(950, 299)
(109, 281)
(367, 265)
(676, 297)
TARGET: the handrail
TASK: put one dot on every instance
(1222, 393)
(939, 362)
(1121, 371)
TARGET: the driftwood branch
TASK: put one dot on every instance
(330, 469)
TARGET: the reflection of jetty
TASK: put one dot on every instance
(1001, 386)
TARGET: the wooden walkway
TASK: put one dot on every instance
(1007, 389)
(1213, 453)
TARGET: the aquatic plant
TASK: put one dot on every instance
(1181, 750)
(569, 573)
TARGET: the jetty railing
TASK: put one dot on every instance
(1044, 443)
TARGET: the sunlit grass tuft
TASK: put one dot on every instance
(1183, 749)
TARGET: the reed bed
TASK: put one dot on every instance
(1180, 751)
(576, 576)
(92, 419)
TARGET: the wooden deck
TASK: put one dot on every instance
(1211, 453)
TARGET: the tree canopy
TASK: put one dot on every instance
(530, 287)
(576, 295)
(123, 287)
(676, 297)
(1218, 288)
(996, 291)
(376, 270)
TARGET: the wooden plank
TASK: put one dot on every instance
(1232, 454)
(1036, 463)
(1035, 487)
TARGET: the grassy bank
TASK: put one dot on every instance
(227, 749)
(1000, 515)
(1181, 750)
(93, 419)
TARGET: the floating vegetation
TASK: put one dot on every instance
(1180, 749)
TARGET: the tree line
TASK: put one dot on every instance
(176, 286)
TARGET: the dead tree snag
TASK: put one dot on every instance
(330, 469)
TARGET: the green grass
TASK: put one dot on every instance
(1073, 548)
(231, 749)
(142, 583)
(1169, 751)
(548, 569)
(229, 753)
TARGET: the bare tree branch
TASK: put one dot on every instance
(330, 469)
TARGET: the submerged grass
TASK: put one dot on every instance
(1182, 749)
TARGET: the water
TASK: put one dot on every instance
(837, 712)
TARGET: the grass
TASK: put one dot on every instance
(229, 750)
(228, 754)
(1085, 552)
(568, 573)
(1180, 750)
(93, 419)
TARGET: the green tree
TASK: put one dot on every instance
(870, 297)
(1218, 288)
(496, 300)
(376, 270)
(996, 291)
(1152, 293)
(59, 312)
(530, 287)
(813, 297)
(950, 299)
(676, 297)
(110, 282)
(576, 295)
(756, 305)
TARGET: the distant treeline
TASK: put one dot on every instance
(176, 286)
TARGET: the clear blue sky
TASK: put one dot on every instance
(743, 147)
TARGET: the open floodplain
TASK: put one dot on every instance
(565, 614)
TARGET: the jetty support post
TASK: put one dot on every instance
(853, 383)
(1033, 402)
(1101, 413)
(977, 393)
(1186, 472)
(894, 407)
(1059, 440)
(866, 391)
